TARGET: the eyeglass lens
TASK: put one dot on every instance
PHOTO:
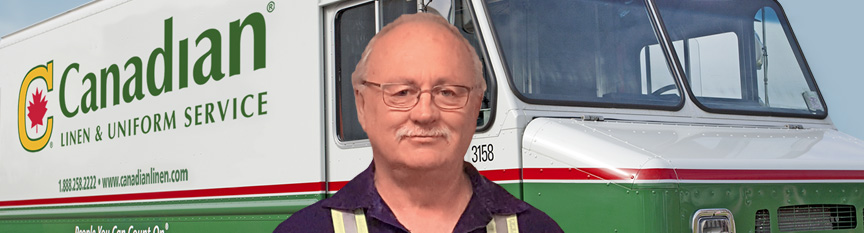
(405, 96)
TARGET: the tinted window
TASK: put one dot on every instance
(354, 28)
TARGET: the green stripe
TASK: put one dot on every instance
(669, 207)
(227, 206)
(220, 223)
(211, 215)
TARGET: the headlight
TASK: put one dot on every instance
(713, 221)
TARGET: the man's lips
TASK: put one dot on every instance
(423, 138)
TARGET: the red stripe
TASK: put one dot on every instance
(687, 174)
(694, 174)
(337, 185)
(266, 189)
(501, 175)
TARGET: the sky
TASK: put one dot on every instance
(17, 14)
(828, 31)
(830, 35)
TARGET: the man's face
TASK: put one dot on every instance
(424, 55)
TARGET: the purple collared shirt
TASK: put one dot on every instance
(488, 199)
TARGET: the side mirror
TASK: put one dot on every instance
(440, 7)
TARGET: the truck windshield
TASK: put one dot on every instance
(739, 56)
(586, 53)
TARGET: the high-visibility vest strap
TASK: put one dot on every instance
(355, 222)
(503, 224)
(349, 221)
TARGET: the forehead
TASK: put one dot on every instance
(420, 52)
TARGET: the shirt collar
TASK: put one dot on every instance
(488, 199)
(360, 193)
(493, 197)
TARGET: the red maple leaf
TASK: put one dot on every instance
(37, 109)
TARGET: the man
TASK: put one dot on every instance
(418, 90)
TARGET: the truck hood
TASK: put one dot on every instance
(659, 152)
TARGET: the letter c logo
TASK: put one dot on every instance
(35, 109)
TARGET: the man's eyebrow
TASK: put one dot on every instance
(440, 80)
(404, 80)
(445, 80)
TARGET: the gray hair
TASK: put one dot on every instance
(362, 66)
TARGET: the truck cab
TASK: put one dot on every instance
(640, 116)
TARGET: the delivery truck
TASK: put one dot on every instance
(609, 115)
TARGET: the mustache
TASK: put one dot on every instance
(414, 131)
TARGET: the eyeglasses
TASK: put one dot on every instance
(405, 96)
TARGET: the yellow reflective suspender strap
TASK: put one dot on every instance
(355, 222)
(349, 221)
(338, 224)
(491, 227)
(503, 224)
(360, 220)
(512, 224)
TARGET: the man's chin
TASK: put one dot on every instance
(425, 159)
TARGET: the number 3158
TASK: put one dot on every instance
(482, 153)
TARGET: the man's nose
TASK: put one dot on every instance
(425, 111)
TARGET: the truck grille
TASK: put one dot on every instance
(763, 221)
(816, 217)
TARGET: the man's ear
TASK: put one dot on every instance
(360, 104)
